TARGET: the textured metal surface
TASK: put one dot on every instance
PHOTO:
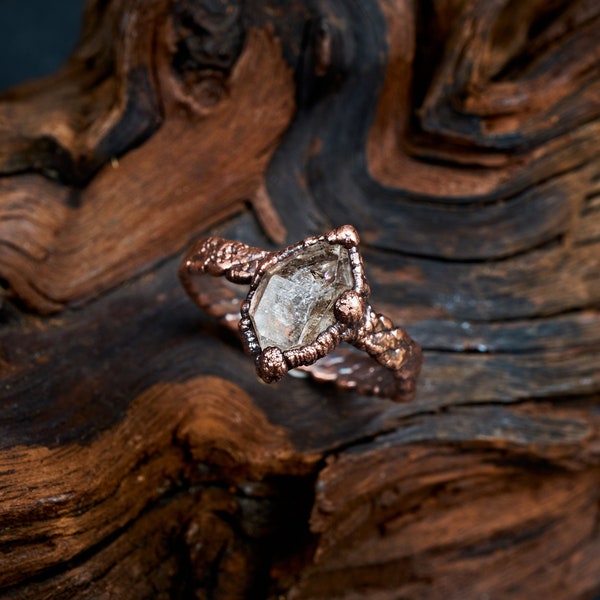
(357, 323)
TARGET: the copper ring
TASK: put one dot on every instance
(323, 274)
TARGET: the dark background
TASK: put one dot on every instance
(35, 37)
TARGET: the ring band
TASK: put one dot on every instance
(302, 303)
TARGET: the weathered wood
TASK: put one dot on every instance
(139, 455)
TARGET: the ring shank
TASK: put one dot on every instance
(215, 256)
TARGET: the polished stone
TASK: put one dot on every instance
(294, 301)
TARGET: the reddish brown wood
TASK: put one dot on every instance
(139, 455)
(212, 179)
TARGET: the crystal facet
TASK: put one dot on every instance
(294, 300)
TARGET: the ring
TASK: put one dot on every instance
(302, 303)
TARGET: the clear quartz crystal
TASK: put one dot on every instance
(294, 301)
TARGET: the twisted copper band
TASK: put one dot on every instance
(390, 346)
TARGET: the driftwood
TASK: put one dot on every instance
(139, 455)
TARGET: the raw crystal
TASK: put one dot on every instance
(294, 301)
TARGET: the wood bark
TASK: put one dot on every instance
(139, 455)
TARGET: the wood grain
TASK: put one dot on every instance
(139, 455)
